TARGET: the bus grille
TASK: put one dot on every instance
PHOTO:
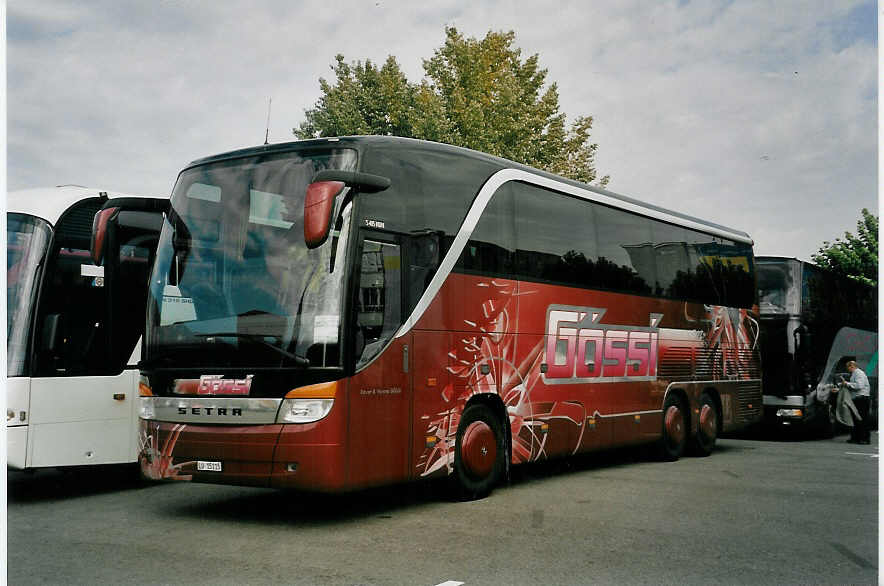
(749, 398)
(686, 363)
(676, 364)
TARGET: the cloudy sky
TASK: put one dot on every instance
(757, 115)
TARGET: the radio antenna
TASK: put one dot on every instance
(267, 134)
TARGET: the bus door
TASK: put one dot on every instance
(89, 324)
(380, 393)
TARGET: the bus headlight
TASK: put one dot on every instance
(303, 410)
(789, 413)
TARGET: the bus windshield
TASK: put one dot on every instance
(26, 240)
(776, 288)
(234, 285)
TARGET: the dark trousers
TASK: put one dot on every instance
(860, 429)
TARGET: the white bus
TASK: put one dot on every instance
(74, 325)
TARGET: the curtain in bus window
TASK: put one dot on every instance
(673, 255)
(555, 240)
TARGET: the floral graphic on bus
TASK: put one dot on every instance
(156, 462)
(731, 338)
(483, 360)
(490, 357)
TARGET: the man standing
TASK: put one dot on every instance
(860, 394)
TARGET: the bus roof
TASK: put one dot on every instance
(770, 258)
(395, 142)
(49, 203)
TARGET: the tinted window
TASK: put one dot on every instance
(567, 240)
(491, 247)
(696, 280)
(736, 274)
(626, 251)
(378, 301)
(555, 237)
(430, 190)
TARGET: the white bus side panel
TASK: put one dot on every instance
(17, 400)
(16, 447)
(18, 404)
(83, 420)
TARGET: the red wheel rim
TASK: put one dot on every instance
(708, 423)
(674, 425)
(478, 449)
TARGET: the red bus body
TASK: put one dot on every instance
(567, 369)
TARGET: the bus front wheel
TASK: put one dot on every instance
(479, 454)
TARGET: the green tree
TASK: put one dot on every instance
(856, 256)
(478, 94)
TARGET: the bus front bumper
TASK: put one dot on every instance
(299, 456)
(794, 410)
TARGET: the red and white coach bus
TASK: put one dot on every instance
(338, 313)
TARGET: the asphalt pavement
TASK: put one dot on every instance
(754, 512)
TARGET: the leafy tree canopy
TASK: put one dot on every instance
(478, 94)
(856, 256)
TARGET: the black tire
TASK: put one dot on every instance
(479, 453)
(675, 429)
(703, 442)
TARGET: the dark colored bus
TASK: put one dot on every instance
(812, 323)
(338, 313)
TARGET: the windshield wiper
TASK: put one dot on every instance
(258, 339)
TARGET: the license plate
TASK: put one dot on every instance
(202, 465)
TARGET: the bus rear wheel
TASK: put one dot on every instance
(674, 439)
(479, 453)
(707, 432)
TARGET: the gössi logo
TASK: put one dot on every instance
(580, 348)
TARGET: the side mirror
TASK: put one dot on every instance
(318, 204)
(805, 339)
(99, 233)
(320, 198)
(51, 338)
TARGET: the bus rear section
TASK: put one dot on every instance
(336, 314)
(73, 329)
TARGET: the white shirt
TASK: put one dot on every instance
(859, 384)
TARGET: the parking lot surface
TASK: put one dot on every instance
(755, 512)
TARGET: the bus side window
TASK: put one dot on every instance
(78, 302)
(423, 260)
(378, 300)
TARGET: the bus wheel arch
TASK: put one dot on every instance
(482, 447)
(708, 423)
(676, 425)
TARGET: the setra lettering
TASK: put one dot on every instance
(209, 411)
